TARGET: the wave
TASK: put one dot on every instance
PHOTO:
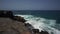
(42, 23)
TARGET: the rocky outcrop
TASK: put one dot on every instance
(10, 15)
(44, 32)
(19, 18)
(29, 26)
(6, 14)
(35, 31)
(10, 24)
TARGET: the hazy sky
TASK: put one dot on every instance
(30, 4)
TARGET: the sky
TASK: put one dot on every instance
(29, 4)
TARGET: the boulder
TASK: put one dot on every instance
(44, 32)
(27, 24)
(19, 18)
(35, 30)
(30, 27)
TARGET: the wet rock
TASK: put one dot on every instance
(44, 32)
(35, 30)
(19, 18)
(30, 27)
(27, 24)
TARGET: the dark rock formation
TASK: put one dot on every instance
(6, 14)
(44, 32)
(1, 13)
(27, 24)
(30, 27)
(10, 15)
(35, 30)
(19, 18)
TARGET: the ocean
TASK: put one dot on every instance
(46, 20)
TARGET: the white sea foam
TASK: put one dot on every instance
(41, 23)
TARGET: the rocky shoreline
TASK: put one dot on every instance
(10, 24)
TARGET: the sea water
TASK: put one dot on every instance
(41, 23)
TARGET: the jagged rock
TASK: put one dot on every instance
(35, 30)
(27, 24)
(30, 27)
(44, 32)
(19, 18)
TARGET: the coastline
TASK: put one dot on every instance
(17, 24)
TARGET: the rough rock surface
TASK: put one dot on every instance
(9, 26)
(19, 18)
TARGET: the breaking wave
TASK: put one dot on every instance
(42, 23)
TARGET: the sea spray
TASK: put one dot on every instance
(41, 23)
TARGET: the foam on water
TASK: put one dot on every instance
(41, 23)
